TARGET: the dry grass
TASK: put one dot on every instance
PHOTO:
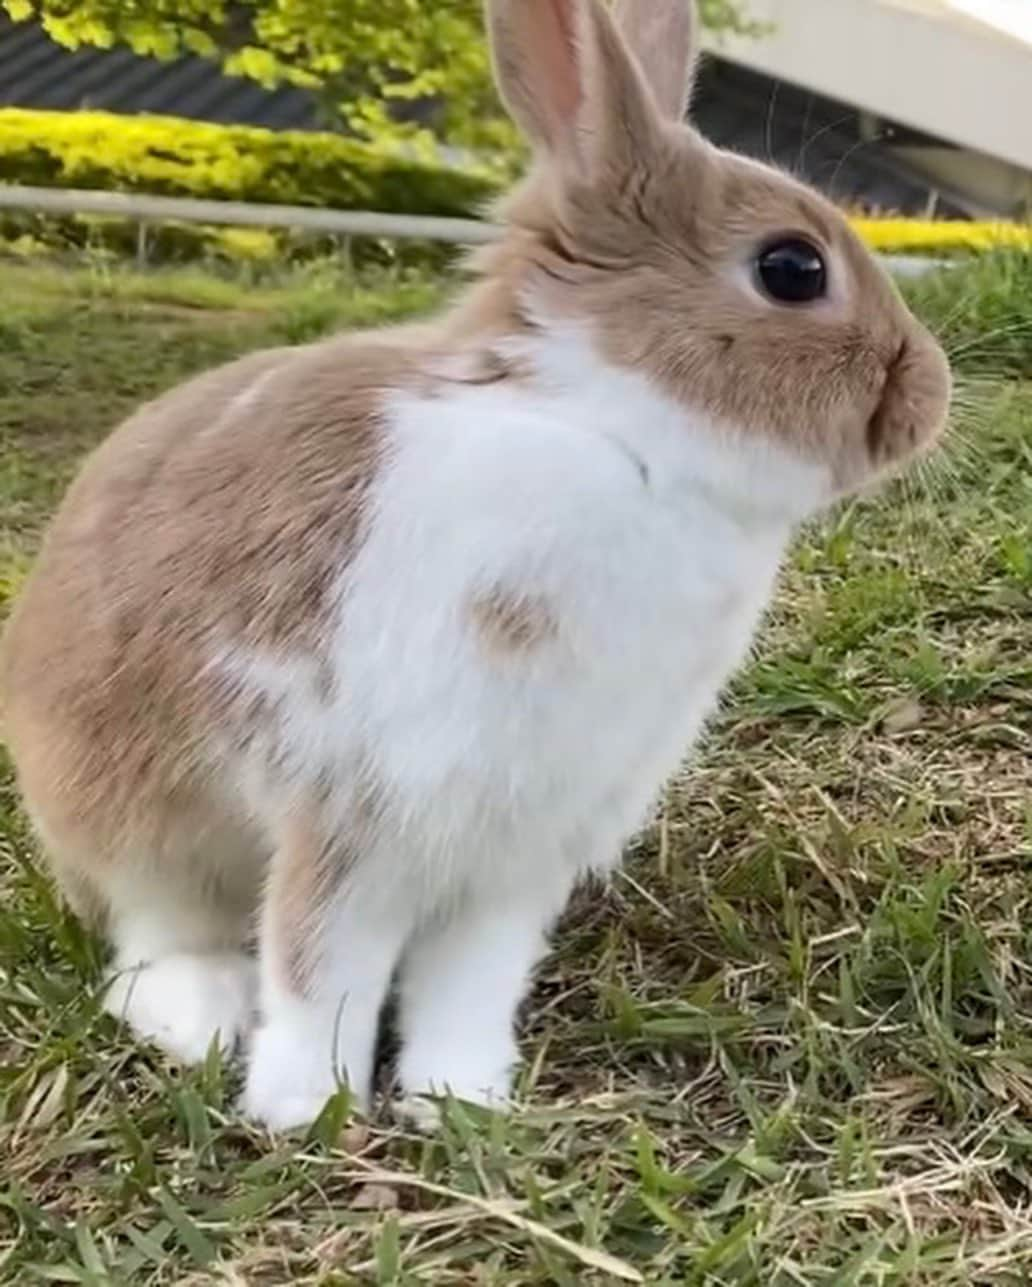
(792, 1044)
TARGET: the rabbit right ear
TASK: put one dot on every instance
(664, 37)
(569, 80)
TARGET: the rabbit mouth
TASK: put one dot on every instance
(884, 426)
(915, 399)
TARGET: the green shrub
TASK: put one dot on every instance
(168, 156)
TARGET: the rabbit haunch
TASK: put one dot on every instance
(370, 649)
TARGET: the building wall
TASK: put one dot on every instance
(920, 64)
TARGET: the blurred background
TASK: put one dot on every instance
(915, 107)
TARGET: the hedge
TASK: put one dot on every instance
(942, 236)
(168, 156)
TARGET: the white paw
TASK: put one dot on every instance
(424, 1111)
(287, 1085)
(183, 1002)
(422, 1114)
(283, 1113)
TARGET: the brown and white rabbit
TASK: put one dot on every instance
(379, 644)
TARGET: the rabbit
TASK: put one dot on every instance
(342, 664)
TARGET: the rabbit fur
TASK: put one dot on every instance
(346, 662)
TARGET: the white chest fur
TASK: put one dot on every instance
(643, 544)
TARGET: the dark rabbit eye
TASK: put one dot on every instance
(793, 271)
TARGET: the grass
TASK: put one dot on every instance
(791, 1044)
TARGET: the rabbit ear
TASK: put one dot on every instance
(664, 37)
(568, 79)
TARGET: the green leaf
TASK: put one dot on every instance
(192, 1237)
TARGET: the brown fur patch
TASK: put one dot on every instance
(509, 623)
(312, 866)
(305, 876)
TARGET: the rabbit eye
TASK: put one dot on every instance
(793, 271)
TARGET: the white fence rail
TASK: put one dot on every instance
(142, 209)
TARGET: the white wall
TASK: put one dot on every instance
(917, 62)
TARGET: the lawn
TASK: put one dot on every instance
(790, 1044)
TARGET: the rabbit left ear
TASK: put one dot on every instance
(571, 83)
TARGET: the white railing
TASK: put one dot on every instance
(141, 209)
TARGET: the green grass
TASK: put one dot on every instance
(791, 1044)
